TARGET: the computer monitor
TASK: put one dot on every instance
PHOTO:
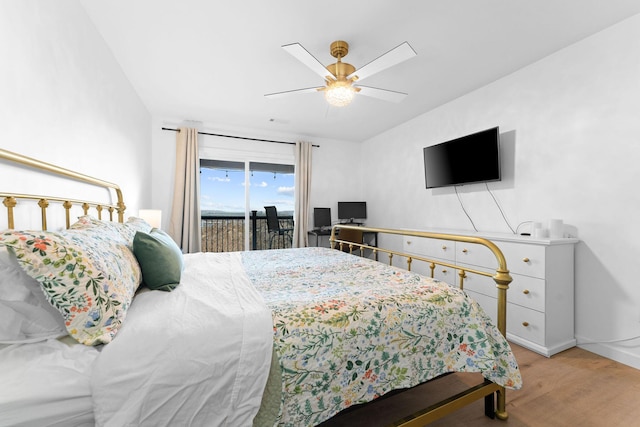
(352, 211)
(321, 218)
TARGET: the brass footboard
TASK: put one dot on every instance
(501, 277)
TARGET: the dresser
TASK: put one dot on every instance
(540, 300)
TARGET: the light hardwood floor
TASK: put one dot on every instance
(572, 388)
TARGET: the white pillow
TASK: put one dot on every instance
(25, 314)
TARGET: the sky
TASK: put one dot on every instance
(224, 190)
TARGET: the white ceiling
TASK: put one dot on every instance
(213, 61)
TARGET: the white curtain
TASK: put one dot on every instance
(303, 187)
(185, 214)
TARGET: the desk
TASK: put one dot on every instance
(319, 234)
(368, 237)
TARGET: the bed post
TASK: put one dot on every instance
(502, 279)
(10, 203)
(121, 206)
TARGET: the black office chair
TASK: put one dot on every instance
(273, 225)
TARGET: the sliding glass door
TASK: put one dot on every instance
(233, 196)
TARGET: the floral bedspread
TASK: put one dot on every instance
(348, 330)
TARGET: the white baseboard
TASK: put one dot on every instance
(545, 351)
(612, 351)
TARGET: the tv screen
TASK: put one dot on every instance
(465, 160)
(352, 210)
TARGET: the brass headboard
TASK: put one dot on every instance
(10, 200)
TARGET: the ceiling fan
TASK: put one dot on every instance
(341, 78)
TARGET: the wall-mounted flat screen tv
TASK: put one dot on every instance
(465, 160)
(352, 211)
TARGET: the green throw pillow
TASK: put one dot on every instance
(160, 259)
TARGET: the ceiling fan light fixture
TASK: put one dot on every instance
(339, 77)
(339, 93)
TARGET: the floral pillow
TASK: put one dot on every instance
(126, 230)
(89, 274)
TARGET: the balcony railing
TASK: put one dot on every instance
(226, 233)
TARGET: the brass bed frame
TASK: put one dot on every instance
(485, 389)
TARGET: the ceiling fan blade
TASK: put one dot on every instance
(395, 56)
(303, 55)
(291, 92)
(384, 94)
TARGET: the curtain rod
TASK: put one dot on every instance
(240, 137)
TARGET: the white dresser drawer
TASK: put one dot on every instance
(524, 259)
(442, 249)
(474, 254)
(446, 274)
(521, 258)
(527, 291)
(526, 323)
(523, 290)
(517, 318)
(481, 284)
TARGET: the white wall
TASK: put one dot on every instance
(570, 124)
(332, 161)
(65, 100)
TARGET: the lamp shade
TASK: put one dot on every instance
(152, 216)
(339, 93)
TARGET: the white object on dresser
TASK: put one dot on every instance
(540, 300)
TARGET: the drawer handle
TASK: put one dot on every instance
(464, 251)
(444, 248)
(526, 292)
(408, 242)
(525, 324)
(444, 271)
(525, 260)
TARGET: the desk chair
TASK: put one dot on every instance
(273, 225)
(355, 236)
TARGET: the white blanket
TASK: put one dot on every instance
(199, 355)
(46, 384)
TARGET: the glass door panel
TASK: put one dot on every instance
(222, 205)
(272, 185)
(233, 213)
